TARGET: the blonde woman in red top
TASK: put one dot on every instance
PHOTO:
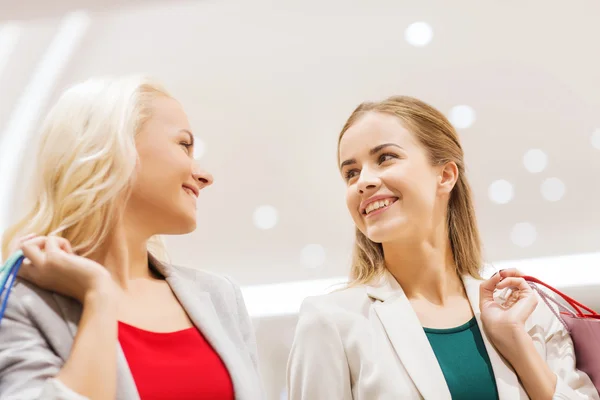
(95, 315)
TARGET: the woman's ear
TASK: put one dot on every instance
(447, 177)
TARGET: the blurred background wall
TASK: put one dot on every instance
(268, 85)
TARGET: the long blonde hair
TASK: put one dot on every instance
(438, 136)
(86, 161)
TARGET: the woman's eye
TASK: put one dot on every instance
(187, 145)
(386, 157)
(350, 174)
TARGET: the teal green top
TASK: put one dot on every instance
(464, 361)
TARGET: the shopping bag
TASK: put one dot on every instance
(8, 274)
(582, 323)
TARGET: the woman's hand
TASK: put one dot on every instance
(504, 323)
(51, 264)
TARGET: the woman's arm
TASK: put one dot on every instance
(91, 369)
(556, 376)
(247, 330)
(317, 366)
(553, 377)
(537, 378)
(29, 368)
(245, 324)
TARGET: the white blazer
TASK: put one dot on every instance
(367, 343)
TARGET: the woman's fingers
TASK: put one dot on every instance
(57, 250)
(56, 243)
(34, 255)
(26, 237)
(33, 251)
(39, 241)
(517, 283)
(52, 244)
(510, 272)
(66, 246)
(486, 290)
(16, 243)
(506, 278)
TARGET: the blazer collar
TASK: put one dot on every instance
(199, 307)
(412, 346)
(407, 337)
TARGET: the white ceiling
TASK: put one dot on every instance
(268, 85)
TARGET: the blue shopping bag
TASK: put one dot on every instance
(8, 274)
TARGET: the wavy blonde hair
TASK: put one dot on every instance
(86, 161)
(438, 136)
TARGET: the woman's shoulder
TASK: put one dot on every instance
(30, 306)
(346, 303)
(216, 285)
(202, 277)
(26, 295)
(331, 316)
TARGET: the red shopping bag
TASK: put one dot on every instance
(583, 325)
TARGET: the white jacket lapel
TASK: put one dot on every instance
(507, 381)
(408, 338)
(201, 311)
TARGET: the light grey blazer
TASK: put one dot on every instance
(37, 331)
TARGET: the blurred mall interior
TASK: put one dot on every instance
(268, 85)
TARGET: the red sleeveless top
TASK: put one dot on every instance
(178, 365)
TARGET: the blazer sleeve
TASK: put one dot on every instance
(317, 367)
(571, 383)
(245, 324)
(247, 331)
(27, 363)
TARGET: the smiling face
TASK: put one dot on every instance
(168, 179)
(393, 191)
(406, 185)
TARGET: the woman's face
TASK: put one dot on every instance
(393, 191)
(168, 179)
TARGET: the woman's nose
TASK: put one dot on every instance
(203, 177)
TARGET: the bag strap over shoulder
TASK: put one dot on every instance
(8, 274)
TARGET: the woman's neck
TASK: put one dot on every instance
(424, 270)
(125, 255)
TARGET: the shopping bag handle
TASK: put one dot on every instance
(8, 274)
(577, 306)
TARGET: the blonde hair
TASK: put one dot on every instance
(86, 161)
(438, 136)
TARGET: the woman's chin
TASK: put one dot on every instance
(183, 225)
(386, 232)
(190, 226)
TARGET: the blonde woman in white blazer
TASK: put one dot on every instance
(418, 321)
